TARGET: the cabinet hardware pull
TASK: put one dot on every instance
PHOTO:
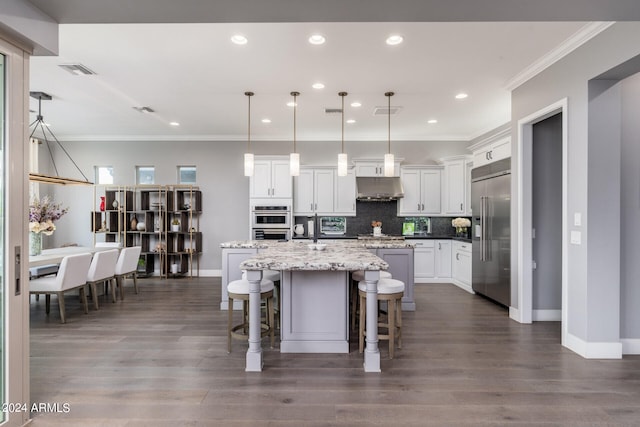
(310, 206)
(460, 206)
(316, 206)
(439, 246)
(423, 206)
(458, 257)
(418, 206)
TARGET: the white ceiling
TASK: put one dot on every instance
(193, 74)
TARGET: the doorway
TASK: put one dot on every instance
(546, 218)
(524, 236)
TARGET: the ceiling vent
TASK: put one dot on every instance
(385, 111)
(333, 111)
(77, 69)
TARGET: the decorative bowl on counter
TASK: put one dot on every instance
(317, 246)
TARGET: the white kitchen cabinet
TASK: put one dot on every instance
(443, 258)
(374, 168)
(422, 190)
(345, 194)
(314, 192)
(454, 186)
(461, 264)
(271, 179)
(496, 148)
(468, 165)
(424, 259)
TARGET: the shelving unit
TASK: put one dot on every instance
(143, 217)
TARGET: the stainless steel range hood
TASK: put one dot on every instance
(379, 189)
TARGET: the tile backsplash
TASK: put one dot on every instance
(386, 212)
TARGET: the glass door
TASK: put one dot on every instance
(3, 400)
(14, 295)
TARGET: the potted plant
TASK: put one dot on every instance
(175, 224)
(142, 265)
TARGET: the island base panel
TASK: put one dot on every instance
(315, 312)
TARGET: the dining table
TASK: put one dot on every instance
(55, 255)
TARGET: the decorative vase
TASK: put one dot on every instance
(115, 204)
(141, 226)
(35, 243)
(134, 223)
(461, 232)
(102, 203)
(377, 231)
(175, 227)
(299, 229)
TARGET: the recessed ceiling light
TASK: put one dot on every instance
(291, 104)
(174, 123)
(394, 39)
(356, 104)
(317, 39)
(350, 121)
(239, 39)
(432, 121)
(266, 120)
(317, 86)
(461, 95)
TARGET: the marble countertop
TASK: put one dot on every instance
(342, 256)
(366, 244)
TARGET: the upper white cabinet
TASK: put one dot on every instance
(374, 167)
(345, 194)
(271, 179)
(454, 186)
(422, 190)
(321, 191)
(494, 148)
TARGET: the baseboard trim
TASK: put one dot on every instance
(547, 315)
(462, 286)
(594, 350)
(432, 280)
(630, 345)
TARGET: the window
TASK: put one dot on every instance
(145, 174)
(186, 174)
(104, 175)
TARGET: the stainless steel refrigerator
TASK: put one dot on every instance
(491, 230)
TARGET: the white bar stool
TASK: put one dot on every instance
(239, 289)
(357, 277)
(392, 291)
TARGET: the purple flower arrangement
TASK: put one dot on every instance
(42, 215)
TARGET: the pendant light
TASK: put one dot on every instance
(294, 158)
(388, 158)
(342, 157)
(39, 130)
(248, 156)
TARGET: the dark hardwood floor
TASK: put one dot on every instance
(159, 359)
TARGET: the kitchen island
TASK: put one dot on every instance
(315, 296)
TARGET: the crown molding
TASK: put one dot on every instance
(582, 36)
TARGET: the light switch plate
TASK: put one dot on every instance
(577, 219)
(576, 237)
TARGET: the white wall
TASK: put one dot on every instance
(591, 323)
(219, 174)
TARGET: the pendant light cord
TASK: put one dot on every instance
(249, 95)
(295, 106)
(389, 95)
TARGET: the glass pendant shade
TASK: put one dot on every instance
(294, 164)
(389, 165)
(248, 164)
(342, 164)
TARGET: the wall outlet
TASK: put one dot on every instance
(577, 219)
(576, 237)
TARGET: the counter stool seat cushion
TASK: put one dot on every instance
(385, 286)
(391, 291)
(242, 286)
(239, 289)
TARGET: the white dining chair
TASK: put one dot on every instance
(102, 270)
(126, 266)
(108, 245)
(72, 274)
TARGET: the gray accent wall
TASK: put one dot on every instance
(225, 190)
(630, 209)
(590, 318)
